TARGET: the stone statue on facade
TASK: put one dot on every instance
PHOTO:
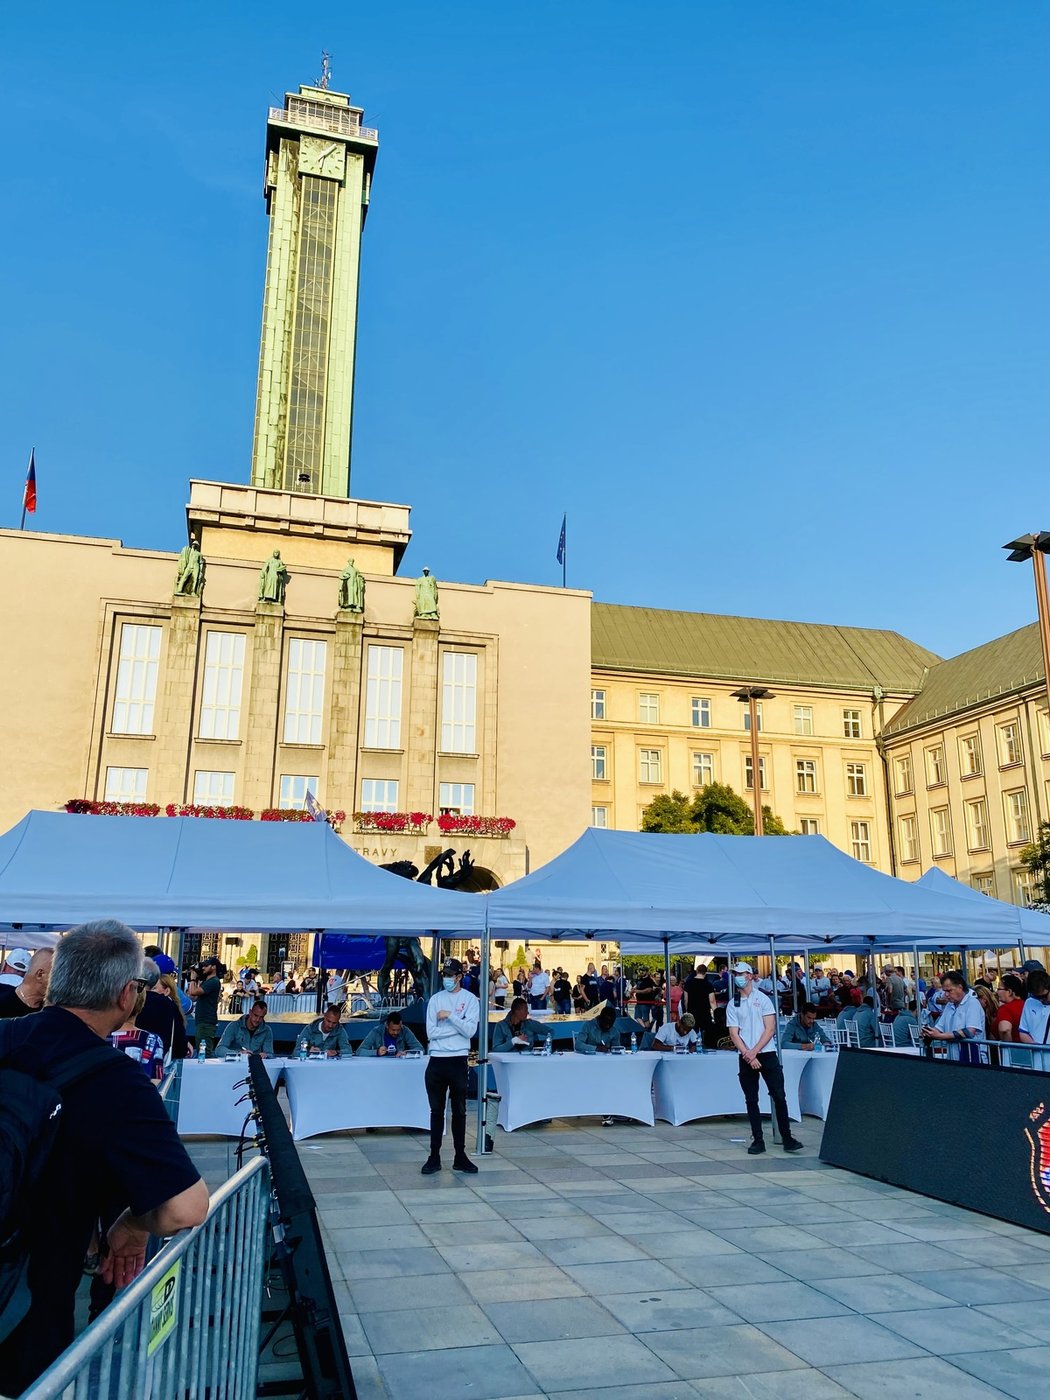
(427, 597)
(351, 589)
(273, 579)
(189, 571)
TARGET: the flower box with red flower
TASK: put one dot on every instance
(455, 824)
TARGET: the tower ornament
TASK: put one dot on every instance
(427, 597)
(326, 70)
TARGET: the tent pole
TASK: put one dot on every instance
(1023, 951)
(435, 958)
(809, 984)
(773, 1130)
(667, 978)
(918, 998)
(483, 1036)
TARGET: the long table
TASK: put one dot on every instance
(535, 1087)
(208, 1097)
(328, 1096)
(688, 1087)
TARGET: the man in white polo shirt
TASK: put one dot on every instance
(452, 1020)
(962, 1019)
(751, 1021)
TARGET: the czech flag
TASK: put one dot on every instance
(29, 494)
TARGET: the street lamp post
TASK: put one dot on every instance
(1033, 547)
(749, 695)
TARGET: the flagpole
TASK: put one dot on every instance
(30, 476)
(565, 551)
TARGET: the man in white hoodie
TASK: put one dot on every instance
(452, 1020)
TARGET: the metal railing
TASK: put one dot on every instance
(188, 1326)
(1005, 1054)
(339, 119)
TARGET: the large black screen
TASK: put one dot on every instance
(971, 1134)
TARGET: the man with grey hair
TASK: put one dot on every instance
(115, 1154)
(29, 994)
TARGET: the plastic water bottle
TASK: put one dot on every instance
(202, 1052)
(818, 1047)
(547, 1050)
(300, 1049)
(634, 1044)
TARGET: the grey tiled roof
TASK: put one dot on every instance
(755, 649)
(1000, 667)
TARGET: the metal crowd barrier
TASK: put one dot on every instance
(1005, 1054)
(188, 1327)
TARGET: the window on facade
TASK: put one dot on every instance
(213, 789)
(648, 707)
(941, 831)
(379, 794)
(599, 762)
(600, 816)
(970, 755)
(1009, 740)
(857, 779)
(223, 682)
(758, 716)
(293, 790)
(1024, 887)
(851, 724)
(136, 689)
(304, 701)
(459, 699)
(749, 776)
(1018, 828)
(803, 719)
(935, 770)
(908, 830)
(806, 774)
(701, 712)
(703, 769)
(650, 766)
(860, 841)
(126, 784)
(597, 704)
(457, 798)
(383, 697)
(902, 768)
(1044, 732)
(809, 826)
(977, 833)
(983, 884)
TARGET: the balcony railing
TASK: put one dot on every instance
(338, 119)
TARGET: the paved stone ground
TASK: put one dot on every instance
(634, 1263)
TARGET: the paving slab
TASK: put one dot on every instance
(736, 1350)
(857, 1337)
(777, 1302)
(554, 1319)
(483, 1373)
(927, 1377)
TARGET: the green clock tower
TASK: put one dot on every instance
(319, 162)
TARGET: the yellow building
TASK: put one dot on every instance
(663, 717)
(969, 767)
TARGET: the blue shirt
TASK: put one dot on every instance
(591, 1036)
(317, 1039)
(379, 1036)
(237, 1038)
(795, 1033)
(503, 1035)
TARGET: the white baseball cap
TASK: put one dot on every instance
(743, 967)
(19, 959)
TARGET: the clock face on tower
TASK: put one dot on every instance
(321, 156)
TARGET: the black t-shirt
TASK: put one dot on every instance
(698, 998)
(206, 1005)
(645, 989)
(11, 1004)
(563, 989)
(158, 1015)
(116, 1148)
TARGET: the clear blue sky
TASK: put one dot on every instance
(756, 291)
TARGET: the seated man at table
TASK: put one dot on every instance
(248, 1034)
(867, 1024)
(517, 1030)
(902, 1024)
(391, 1038)
(802, 1031)
(600, 1035)
(676, 1035)
(326, 1036)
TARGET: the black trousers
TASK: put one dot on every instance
(446, 1077)
(771, 1070)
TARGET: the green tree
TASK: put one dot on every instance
(715, 807)
(1036, 858)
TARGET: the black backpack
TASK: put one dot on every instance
(30, 1110)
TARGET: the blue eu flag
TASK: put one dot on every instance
(561, 542)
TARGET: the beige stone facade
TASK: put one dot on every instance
(116, 688)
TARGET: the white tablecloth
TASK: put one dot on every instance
(706, 1086)
(326, 1096)
(208, 1099)
(818, 1075)
(535, 1087)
